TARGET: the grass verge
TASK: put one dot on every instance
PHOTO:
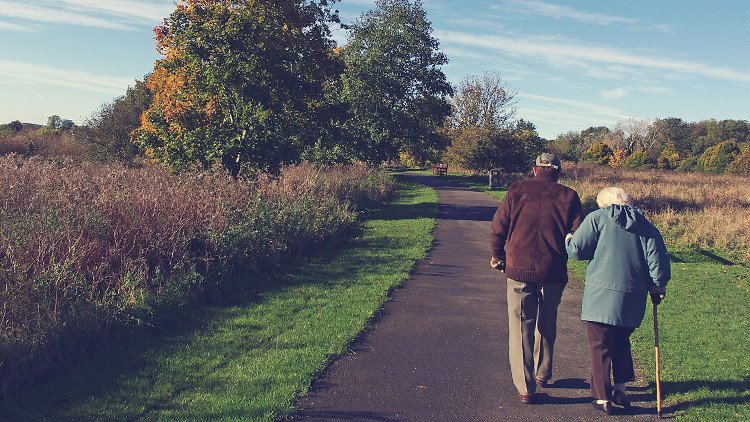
(250, 360)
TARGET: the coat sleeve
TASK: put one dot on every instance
(500, 228)
(657, 258)
(583, 243)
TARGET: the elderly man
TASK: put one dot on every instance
(528, 244)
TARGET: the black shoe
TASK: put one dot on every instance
(526, 398)
(621, 399)
(604, 407)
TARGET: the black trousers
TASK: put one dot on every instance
(609, 349)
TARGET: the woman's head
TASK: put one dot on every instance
(613, 196)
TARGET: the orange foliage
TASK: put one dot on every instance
(618, 157)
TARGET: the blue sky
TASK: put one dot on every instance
(573, 64)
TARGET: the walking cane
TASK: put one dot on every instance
(656, 349)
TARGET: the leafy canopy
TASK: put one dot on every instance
(240, 82)
(394, 84)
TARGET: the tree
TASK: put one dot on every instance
(241, 82)
(393, 83)
(717, 158)
(110, 129)
(598, 153)
(669, 158)
(566, 146)
(741, 163)
(511, 149)
(482, 102)
(54, 122)
(16, 126)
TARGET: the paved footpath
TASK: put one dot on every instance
(438, 350)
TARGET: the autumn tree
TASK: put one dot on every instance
(393, 83)
(240, 82)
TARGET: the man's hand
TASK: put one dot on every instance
(657, 294)
(497, 264)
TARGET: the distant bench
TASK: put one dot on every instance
(440, 169)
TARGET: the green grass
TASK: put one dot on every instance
(704, 323)
(250, 360)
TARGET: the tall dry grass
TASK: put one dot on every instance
(691, 209)
(86, 247)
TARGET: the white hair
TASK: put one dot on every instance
(613, 196)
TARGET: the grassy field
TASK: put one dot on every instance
(705, 319)
(248, 361)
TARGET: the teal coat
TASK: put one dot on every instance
(627, 255)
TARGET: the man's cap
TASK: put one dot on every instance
(546, 159)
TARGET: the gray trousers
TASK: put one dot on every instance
(532, 329)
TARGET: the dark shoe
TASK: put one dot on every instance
(604, 407)
(542, 383)
(526, 398)
(621, 399)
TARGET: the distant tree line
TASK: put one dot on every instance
(712, 146)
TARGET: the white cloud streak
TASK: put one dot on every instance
(591, 108)
(38, 13)
(555, 51)
(564, 12)
(7, 26)
(29, 74)
(622, 91)
(106, 14)
(144, 11)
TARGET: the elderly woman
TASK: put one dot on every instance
(628, 260)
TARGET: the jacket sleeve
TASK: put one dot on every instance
(583, 243)
(500, 228)
(657, 258)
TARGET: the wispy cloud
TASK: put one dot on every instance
(558, 50)
(37, 13)
(589, 108)
(145, 11)
(7, 26)
(622, 91)
(564, 12)
(117, 15)
(36, 75)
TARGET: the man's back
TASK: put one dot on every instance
(531, 224)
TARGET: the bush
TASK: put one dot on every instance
(717, 158)
(86, 247)
(598, 153)
(741, 163)
(638, 160)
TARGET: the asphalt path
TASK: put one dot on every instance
(438, 350)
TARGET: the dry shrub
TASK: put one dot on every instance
(45, 142)
(704, 210)
(85, 246)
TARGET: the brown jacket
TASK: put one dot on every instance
(529, 228)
